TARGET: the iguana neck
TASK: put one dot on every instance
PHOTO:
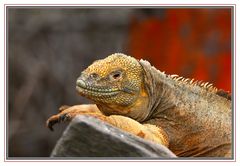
(159, 89)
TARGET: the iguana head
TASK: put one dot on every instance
(114, 83)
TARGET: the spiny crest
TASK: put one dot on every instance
(192, 82)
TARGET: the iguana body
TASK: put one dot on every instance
(189, 117)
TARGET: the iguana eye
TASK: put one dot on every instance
(116, 75)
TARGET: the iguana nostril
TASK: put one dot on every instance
(93, 75)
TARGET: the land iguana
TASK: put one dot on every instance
(191, 118)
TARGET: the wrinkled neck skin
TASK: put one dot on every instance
(158, 89)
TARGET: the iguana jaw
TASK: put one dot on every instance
(95, 91)
(121, 95)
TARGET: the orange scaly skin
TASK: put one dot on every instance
(191, 118)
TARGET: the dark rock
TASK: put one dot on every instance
(90, 137)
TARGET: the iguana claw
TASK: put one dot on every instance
(52, 121)
(56, 119)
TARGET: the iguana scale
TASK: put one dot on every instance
(191, 118)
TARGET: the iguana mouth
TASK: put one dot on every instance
(98, 91)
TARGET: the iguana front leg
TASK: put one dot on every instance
(67, 113)
(146, 131)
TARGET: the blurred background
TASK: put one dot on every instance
(49, 47)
